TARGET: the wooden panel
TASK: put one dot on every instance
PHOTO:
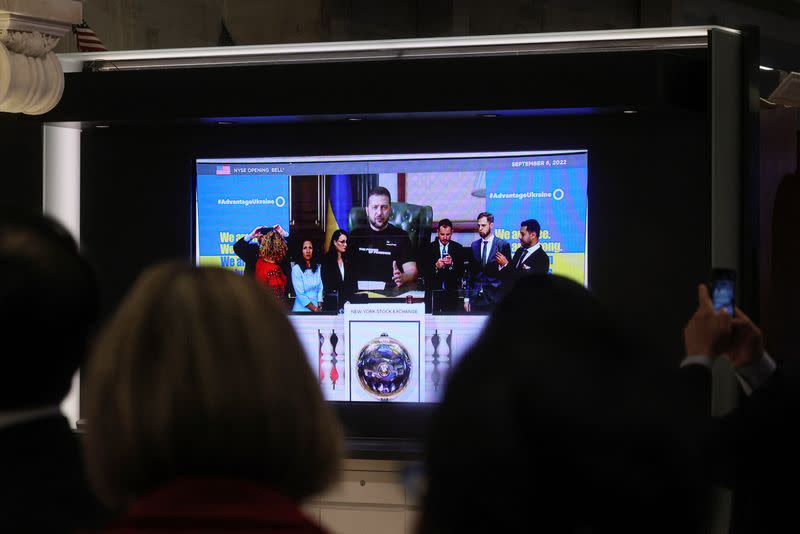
(305, 214)
(353, 521)
(306, 220)
(366, 487)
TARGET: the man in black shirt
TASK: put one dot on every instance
(382, 252)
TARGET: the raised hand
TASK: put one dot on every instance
(707, 332)
(283, 233)
(502, 261)
(746, 344)
(397, 276)
(255, 233)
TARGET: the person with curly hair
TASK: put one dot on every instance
(247, 247)
(268, 271)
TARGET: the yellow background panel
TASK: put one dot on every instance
(570, 265)
(216, 261)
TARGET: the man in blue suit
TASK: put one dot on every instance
(487, 253)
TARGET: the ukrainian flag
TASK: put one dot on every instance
(340, 201)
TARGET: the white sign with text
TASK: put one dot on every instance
(385, 346)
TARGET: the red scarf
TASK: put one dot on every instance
(207, 505)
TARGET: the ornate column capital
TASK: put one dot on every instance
(31, 79)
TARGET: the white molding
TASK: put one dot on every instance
(380, 49)
(21, 23)
(61, 172)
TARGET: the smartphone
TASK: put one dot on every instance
(723, 289)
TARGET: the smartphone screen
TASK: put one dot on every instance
(723, 289)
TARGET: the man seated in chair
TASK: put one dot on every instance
(382, 252)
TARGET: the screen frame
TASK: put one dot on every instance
(399, 430)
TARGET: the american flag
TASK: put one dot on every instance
(86, 39)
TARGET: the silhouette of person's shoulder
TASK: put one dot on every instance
(44, 487)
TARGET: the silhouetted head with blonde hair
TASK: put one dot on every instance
(200, 374)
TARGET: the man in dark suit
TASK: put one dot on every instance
(484, 263)
(48, 303)
(442, 268)
(529, 258)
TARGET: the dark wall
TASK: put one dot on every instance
(672, 79)
(135, 203)
(21, 154)
(649, 221)
(780, 150)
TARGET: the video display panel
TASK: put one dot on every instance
(389, 264)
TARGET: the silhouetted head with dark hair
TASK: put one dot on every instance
(554, 422)
(48, 302)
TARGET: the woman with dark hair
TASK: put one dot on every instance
(307, 280)
(337, 273)
(268, 270)
(555, 421)
(205, 415)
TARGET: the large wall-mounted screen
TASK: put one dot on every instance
(390, 263)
